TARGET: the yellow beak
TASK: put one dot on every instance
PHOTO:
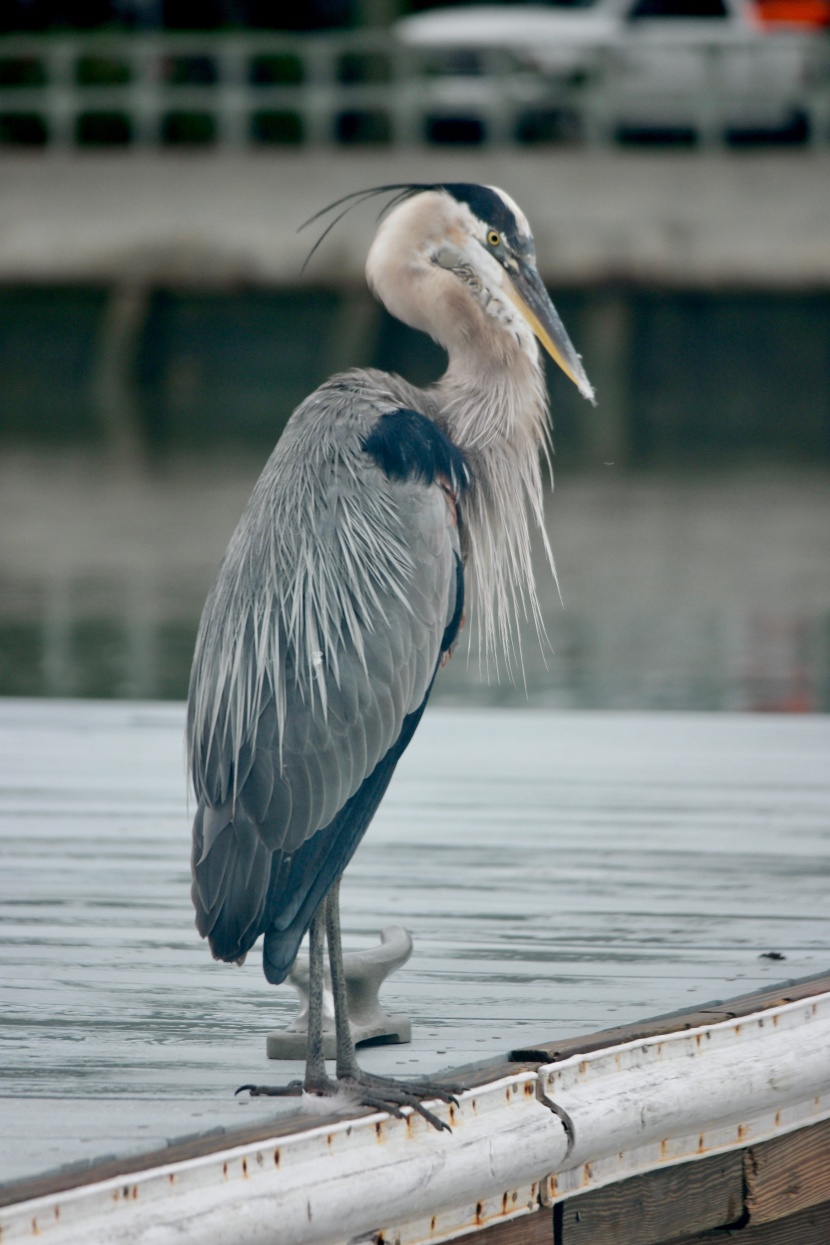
(527, 291)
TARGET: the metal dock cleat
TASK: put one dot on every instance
(365, 973)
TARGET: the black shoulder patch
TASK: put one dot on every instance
(405, 444)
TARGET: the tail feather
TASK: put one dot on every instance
(230, 885)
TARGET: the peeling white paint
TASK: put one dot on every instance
(329, 1184)
(683, 1096)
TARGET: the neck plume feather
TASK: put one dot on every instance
(498, 416)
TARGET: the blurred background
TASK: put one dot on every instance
(157, 328)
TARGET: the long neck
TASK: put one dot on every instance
(494, 407)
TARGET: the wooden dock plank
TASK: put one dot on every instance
(810, 1227)
(788, 1175)
(534, 1229)
(711, 1013)
(657, 1207)
(560, 874)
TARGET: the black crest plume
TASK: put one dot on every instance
(402, 190)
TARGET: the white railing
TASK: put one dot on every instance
(247, 89)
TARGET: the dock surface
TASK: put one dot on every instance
(560, 874)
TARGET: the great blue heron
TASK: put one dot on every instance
(342, 590)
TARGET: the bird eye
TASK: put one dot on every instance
(493, 238)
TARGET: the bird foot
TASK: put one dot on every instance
(382, 1093)
(386, 1093)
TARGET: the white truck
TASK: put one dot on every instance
(706, 67)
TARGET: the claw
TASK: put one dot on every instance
(381, 1104)
(385, 1093)
(441, 1125)
(385, 1103)
(292, 1090)
(420, 1088)
(437, 1091)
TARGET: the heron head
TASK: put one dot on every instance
(458, 261)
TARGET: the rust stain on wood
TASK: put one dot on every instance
(532, 1229)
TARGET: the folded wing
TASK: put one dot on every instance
(317, 650)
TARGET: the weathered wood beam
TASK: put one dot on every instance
(710, 1013)
(658, 1207)
(811, 1227)
(531, 1230)
(788, 1175)
(776, 1193)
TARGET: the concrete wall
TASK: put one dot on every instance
(691, 219)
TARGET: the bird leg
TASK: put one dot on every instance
(385, 1093)
(347, 1065)
(316, 1081)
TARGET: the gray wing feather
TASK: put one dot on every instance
(327, 754)
(321, 634)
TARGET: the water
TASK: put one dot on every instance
(698, 377)
(702, 591)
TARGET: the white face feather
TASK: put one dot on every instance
(522, 222)
(430, 267)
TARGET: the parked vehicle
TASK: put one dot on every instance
(706, 67)
(794, 12)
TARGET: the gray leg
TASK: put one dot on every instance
(315, 1068)
(383, 1092)
(316, 1081)
(347, 1065)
